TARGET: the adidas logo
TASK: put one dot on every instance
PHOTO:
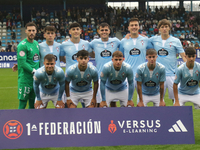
(178, 127)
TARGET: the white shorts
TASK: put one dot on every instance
(84, 97)
(49, 97)
(169, 84)
(195, 99)
(155, 99)
(122, 96)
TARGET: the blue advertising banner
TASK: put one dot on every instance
(96, 127)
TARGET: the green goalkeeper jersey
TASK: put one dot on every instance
(28, 59)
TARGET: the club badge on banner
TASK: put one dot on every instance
(96, 127)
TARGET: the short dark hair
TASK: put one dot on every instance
(50, 57)
(164, 22)
(104, 24)
(75, 24)
(117, 54)
(30, 24)
(82, 53)
(151, 51)
(190, 51)
(133, 19)
(49, 28)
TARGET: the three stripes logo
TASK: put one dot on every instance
(178, 127)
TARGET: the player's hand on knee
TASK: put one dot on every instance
(103, 104)
(38, 104)
(15, 68)
(60, 104)
(70, 104)
(177, 103)
(130, 104)
(92, 103)
(140, 104)
(162, 103)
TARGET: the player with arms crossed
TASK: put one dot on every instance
(103, 49)
(167, 47)
(28, 63)
(81, 75)
(134, 48)
(188, 74)
(49, 84)
(113, 81)
(150, 79)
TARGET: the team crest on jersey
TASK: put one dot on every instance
(112, 44)
(157, 75)
(21, 53)
(197, 73)
(57, 48)
(170, 44)
(142, 42)
(123, 74)
(76, 76)
(186, 75)
(88, 75)
(83, 46)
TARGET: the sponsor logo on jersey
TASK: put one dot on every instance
(36, 58)
(150, 84)
(13, 129)
(81, 83)
(112, 127)
(106, 54)
(162, 52)
(50, 86)
(134, 52)
(115, 82)
(178, 127)
(74, 57)
(192, 83)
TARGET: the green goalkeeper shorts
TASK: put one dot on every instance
(25, 92)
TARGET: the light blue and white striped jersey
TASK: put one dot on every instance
(81, 82)
(150, 83)
(189, 85)
(134, 51)
(103, 51)
(49, 84)
(167, 52)
(69, 50)
(116, 80)
(44, 50)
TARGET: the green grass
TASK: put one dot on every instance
(8, 100)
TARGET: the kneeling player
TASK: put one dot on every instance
(188, 74)
(113, 82)
(49, 84)
(81, 75)
(150, 79)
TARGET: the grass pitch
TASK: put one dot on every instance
(8, 100)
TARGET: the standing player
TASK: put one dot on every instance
(80, 75)
(49, 83)
(167, 47)
(28, 62)
(113, 81)
(70, 48)
(103, 49)
(188, 74)
(49, 46)
(150, 79)
(134, 48)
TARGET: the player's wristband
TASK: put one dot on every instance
(68, 98)
(33, 71)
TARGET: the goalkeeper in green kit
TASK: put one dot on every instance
(28, 62)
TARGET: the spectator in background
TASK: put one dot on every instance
(191, 36)
(8, 24)
(185, 43)
(13, 35)
(14, 47)
(196, 44)
(151, 29)
(8, 47)
(186, 36)
(8, 17)
(58, 35)
(191, 44)
(182, 36)
(0, 42)
(178, 26)
(144, 32)
(13, 24)
(156, 30)
(96, 36)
